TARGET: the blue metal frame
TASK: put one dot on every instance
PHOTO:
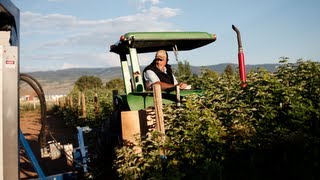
(31, 156)
(83, 148)
(35, 164)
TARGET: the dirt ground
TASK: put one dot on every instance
(30, 127)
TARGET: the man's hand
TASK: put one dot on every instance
(183, 85)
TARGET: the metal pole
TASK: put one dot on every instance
(242, 66)
(178, 96)
(9, 90)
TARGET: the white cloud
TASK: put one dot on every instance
(162, 12)
(144, 3)
(153, 2)
(69, 41)
(36, 21)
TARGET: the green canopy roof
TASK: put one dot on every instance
(152, 41)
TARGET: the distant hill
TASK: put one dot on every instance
(62, 81)
(221, 67)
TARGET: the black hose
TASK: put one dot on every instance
(37, 82)
(38, 89)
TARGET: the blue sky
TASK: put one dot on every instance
(60, 34)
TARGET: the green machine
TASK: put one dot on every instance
(133, 43)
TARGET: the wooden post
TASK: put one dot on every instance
(66, 101)
(79, 99)
(83, 102)
(71, 101)
(157, 98)
(34, 103)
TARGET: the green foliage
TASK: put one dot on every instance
(27, 106)
(268, 130)
(88, 82)
(183, 73)
(205, 79)
(228, 70)
(115, 84)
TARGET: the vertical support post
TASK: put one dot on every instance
(83, 102)
(79, 99)
(66, 100)
(9, 112)
(71, 101)
(158, 109)
(137, 75)
(9, 91)
(125, 73)
(178, 96)
(34, 103)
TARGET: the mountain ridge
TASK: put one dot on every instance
(62, 81)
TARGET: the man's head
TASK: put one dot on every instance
(161, 59)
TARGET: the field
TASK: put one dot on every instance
(268, 129)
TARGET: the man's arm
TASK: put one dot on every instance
(151, 78)
(164, 85)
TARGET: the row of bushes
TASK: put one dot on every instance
(268, 130)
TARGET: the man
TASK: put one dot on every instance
(160, 72)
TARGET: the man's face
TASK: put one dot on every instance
(161, 63)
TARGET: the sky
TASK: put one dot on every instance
(61, 34)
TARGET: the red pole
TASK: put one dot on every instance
(242, 66)
(242, 69)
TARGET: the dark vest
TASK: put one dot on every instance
(164, 77)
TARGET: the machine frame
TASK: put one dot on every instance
(9, 90)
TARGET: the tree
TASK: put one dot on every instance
(205, 79)
(116, 83)
(88, 82)
(184, 71)
(228, 70)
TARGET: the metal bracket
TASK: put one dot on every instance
(175, 51)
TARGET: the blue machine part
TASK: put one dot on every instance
(81, 154)
(31, 156)
(35, 164)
